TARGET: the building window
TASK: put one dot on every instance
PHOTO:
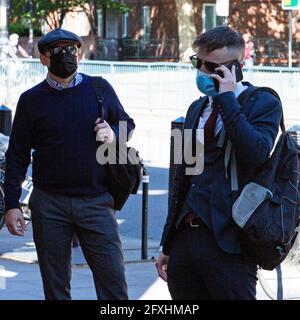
(100, 23)
(111, 24)
(80, 24)
(209, 16)
(125, 25)
(146, 22)
(44, 26)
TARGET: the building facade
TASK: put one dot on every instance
(164, 30)
(169, 27)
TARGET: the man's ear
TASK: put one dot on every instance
(44, 60)
(79, 55)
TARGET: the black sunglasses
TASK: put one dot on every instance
(72, 49)
(210, 66)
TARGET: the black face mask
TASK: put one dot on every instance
(63, 64)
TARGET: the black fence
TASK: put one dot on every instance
(116, 49)
(268, 51)
(274, 52)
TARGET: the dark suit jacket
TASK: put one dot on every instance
(252, 130)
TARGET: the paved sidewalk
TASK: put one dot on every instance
(23, 282)
(22, 249)
(20, 278)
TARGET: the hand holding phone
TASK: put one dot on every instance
(238, 73)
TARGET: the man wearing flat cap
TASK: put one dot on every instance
(59, 120)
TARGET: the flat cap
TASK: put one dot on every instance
(56, 36)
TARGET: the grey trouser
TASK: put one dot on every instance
(55, 219)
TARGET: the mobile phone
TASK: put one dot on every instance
(238, 73)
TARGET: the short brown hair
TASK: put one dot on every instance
(220, 37)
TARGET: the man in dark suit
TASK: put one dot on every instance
(201, 256)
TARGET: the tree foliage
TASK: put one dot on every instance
(54, 11)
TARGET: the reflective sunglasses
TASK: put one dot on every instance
(72, 49)
(210, 66)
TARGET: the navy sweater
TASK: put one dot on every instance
(59, 127)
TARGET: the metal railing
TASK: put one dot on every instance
(150, 88)
(116, 49)
(149, 49)
(274, 52)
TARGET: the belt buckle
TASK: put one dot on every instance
(193, 225)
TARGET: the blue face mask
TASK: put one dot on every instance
(205, 84)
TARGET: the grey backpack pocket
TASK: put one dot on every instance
(250, 198)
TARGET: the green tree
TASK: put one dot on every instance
(54, 11)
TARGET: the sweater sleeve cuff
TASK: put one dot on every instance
(11, 205)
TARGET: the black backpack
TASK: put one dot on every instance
(123, 179)
(268, 208)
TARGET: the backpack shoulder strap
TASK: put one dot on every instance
(230, 152)
(249, 93)
(98, 88)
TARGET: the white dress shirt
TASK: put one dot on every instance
(56, 85)
(208, 110)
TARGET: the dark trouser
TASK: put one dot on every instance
(199, 270)
(55, 219)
